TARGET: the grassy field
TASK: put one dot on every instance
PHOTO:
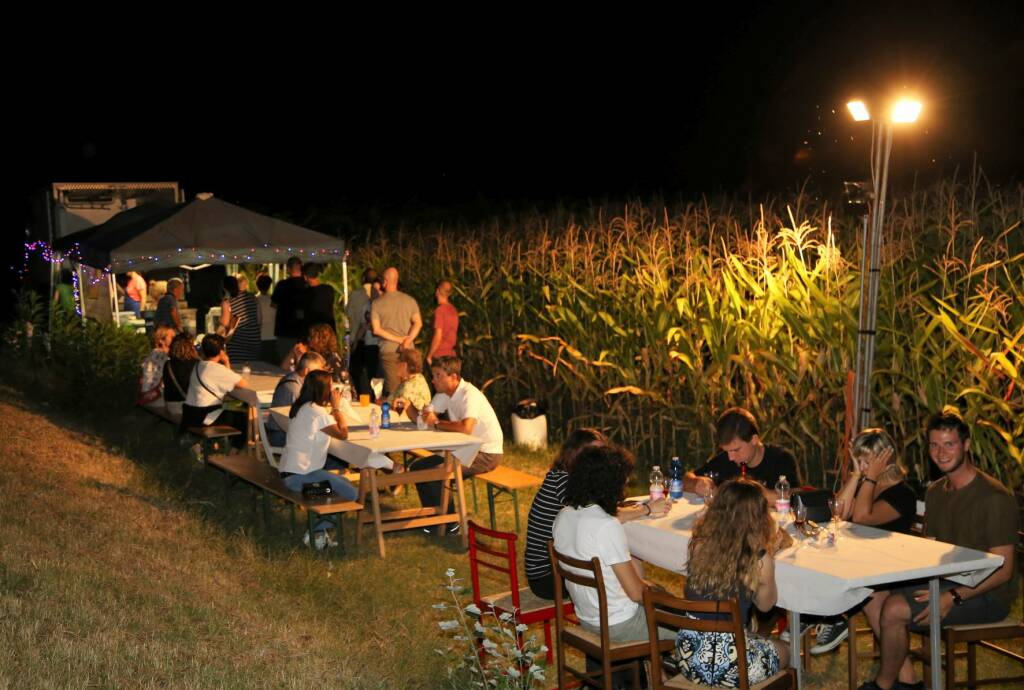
(120, 567)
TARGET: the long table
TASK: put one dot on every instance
(369, 456)
(814, 578)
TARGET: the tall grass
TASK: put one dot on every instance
(649, 321)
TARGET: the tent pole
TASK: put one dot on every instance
(112, 286)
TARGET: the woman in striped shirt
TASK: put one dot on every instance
(550, 499)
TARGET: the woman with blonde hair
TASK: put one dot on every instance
(732, 556)
(151, 383)
(874, 494)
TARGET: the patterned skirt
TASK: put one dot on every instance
(709, 658)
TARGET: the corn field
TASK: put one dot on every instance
(647, 321)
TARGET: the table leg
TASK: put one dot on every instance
(461, 505)
(446, 492)
(794, 645)
(933, 634)
(490, 505)
(375, 501)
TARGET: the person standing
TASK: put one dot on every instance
(288, 298)
(135, 293)
(267, 313)
(395, 319)
(167, 312)
(363, 344)
(320, 299)
(239, 320)
(446, 324)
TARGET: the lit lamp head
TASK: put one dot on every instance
(858, 110)
(906, 110)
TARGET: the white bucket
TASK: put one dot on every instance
(530, 432)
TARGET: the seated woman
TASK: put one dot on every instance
(211, 380)
(151, 383)
(178, 371)
(874, 494)
(309, 436)
(413, 387)
(322, 340)
(732, 556)
(550, 499)
(587, 527)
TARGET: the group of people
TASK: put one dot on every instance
(733, 544)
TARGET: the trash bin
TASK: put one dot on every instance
(529, 424)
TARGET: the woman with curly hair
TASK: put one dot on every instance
(178, 371)
(550, 499)
(732, 556)
(587, 527)
(322, 340)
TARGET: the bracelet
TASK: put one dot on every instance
(869, 479)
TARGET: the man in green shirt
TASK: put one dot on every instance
(967, 508)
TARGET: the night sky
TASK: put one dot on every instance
(521, 108)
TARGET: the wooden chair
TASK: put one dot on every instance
(526, 606)
(983, 635)
(667, 611)
(613, 656)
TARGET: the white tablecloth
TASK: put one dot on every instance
(360, 451)
(817, 579)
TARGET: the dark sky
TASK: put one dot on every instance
(738, 99)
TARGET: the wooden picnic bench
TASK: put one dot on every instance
(260, 475)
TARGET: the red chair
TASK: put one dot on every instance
(500, 554)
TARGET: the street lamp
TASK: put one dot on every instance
(903, 111)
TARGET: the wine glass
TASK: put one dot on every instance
(835, 504)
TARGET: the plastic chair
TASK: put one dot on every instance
(667, 611)
(526, 606)
(613, 656)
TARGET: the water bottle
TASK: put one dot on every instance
(385, 415)
(657, 484)
(675, 487)
(782, 499)
(421, 420)
(246, 371)
(374, 423)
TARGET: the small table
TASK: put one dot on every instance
(825, 580)
(369, 455)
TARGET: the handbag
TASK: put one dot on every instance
(317, 490)
(816, 501)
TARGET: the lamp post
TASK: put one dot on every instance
(904, 111)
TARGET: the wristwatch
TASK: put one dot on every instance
(957, 599)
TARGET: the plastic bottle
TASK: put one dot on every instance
(374, 423)
(421, 420)
(385, 416)
(675, 487)
(782, 492)
(657, 484)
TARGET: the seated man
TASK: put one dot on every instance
(287, 392)
(967, 508)
(469, 412)
(736, 434)
(211, 380)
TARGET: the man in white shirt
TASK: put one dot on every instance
(468, 412)
(212, 379)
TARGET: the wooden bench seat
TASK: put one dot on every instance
(268, 480)
(504, 480)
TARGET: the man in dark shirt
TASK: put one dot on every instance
(736, 433)
(320, 299)
(288, 299)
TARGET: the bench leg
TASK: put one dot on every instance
(473, 484)
(490, 504)
(515, 507)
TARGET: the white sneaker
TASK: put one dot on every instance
(319, 540)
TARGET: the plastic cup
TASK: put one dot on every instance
(364, 400)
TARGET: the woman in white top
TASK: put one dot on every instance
(309, 437)
(587, 527)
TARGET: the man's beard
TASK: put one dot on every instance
(955, 467)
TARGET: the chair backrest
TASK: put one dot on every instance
(497, 552)
(667, 611)
(591, 576)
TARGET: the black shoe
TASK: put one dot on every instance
(454, 528)
(830, 635)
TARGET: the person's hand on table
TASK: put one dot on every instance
(702, 484)
(945, 604)
(660, 507)
(430, 418)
